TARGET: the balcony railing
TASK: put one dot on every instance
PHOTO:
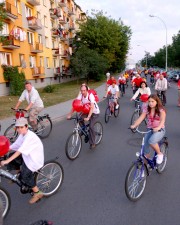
(34, 23)
(54, 13)
(38, 71)
(36, 48)
(10, 42)
(12, 11)
(56, 52)
(71, 12)
(57, 71)
(64, 54)
(34, 2)
(63, 3)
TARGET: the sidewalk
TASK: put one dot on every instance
(56, 112)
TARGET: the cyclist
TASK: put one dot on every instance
(122, 82)
(161, 86)
(156, 116)
(136, 82)
(114, 91)
(108, 75)
(143, 89)
(28, 157)
(93, 114)
(35, 103)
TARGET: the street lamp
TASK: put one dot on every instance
(166, 35)
(145, 53)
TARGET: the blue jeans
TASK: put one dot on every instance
(152, 138)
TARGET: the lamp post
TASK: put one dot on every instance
(145, 53)
(166, 36)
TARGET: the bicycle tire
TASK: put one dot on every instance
(107, 114)
(164, 150)
(98, 128)
(135, 185)
(51, 172)
(74, 141)
(5, 201)
(44, 127)
(11, 133)
(134, 117)
(116, 111)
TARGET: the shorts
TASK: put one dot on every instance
(34, 112)
(152, 138)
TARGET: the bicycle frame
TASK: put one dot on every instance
(77, 127)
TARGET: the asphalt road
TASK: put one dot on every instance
(93, 189)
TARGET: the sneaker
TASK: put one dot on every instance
(117, 106)
(37, 196)
(159, 158)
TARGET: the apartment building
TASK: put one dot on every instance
(38, 36)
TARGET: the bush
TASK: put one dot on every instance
(49, 89)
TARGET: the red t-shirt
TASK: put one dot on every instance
(137, 81)
(178, 84)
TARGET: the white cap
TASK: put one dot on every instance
(21, 122)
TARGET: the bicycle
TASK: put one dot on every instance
(44, 125)
(74, 141)
(111, 109)
(135, 181)
(136, 114)
(48, 179)
(161, 97)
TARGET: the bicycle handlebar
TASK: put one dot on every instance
(19, 110)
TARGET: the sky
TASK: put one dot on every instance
(147, 32)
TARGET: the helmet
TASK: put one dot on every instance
(144, 97)
(77, 105)
(4, 145)
(86, 108)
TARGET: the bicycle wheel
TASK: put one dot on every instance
(135, 181)
(98, 128)
(11, 133)
(164, 150)
(44, 127)
(107, 114)
(73, 146)
(49, 178)
(5, 202)
(116, 111)
(134, 117)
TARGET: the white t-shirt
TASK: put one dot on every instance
(113, 90)
(89, 99)
(33, 97)
(32, 150)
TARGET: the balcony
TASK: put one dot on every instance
(71, 12)
(64, 54)
(54, 13)
(36, 48)
(62, 21)
(64, 37)
(56, 52)
(71, 27)
(34, 23)
(37, 71)
(62, 3)
(57, 71)
(10, 42)
(12, 12)
(54, 33)
(34, 2)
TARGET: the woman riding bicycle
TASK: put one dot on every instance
(156, 116)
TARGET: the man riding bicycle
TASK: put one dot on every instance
(114, 91)
(28, 157)
(35, 103)
(161, 86)
(93, 114)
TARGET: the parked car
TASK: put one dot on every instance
(170, 75)
(176, 76)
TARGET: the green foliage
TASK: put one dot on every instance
(16, 79)
(3, 16)
(49, 89)
(88, 63)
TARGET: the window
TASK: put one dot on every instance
(38, 15)
(32, 61)
(5, 58)
(46, 42)
(54, 63)
(45, 21)
(47, 62)
(17, 5)
(28, 11)
(5, 30)
(40, 38)
(22, 61)
(42, 80)
(41, 61)
(44, 2)
(30, 37)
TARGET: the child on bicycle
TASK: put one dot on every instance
(27, 158)
(156, 117)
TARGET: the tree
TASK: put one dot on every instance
(109, 38)
(3, 16)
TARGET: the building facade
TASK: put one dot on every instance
(37, 37)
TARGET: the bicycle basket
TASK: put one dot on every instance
(19, 115)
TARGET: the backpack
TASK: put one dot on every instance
(92, 91)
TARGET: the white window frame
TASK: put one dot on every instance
(46, 42)
(28, 11)
(45, 21)
(47, 62)
(3, 58)
(5, 30)
(41, 61)
(40, 38)
(32, 61)
(30, 37)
